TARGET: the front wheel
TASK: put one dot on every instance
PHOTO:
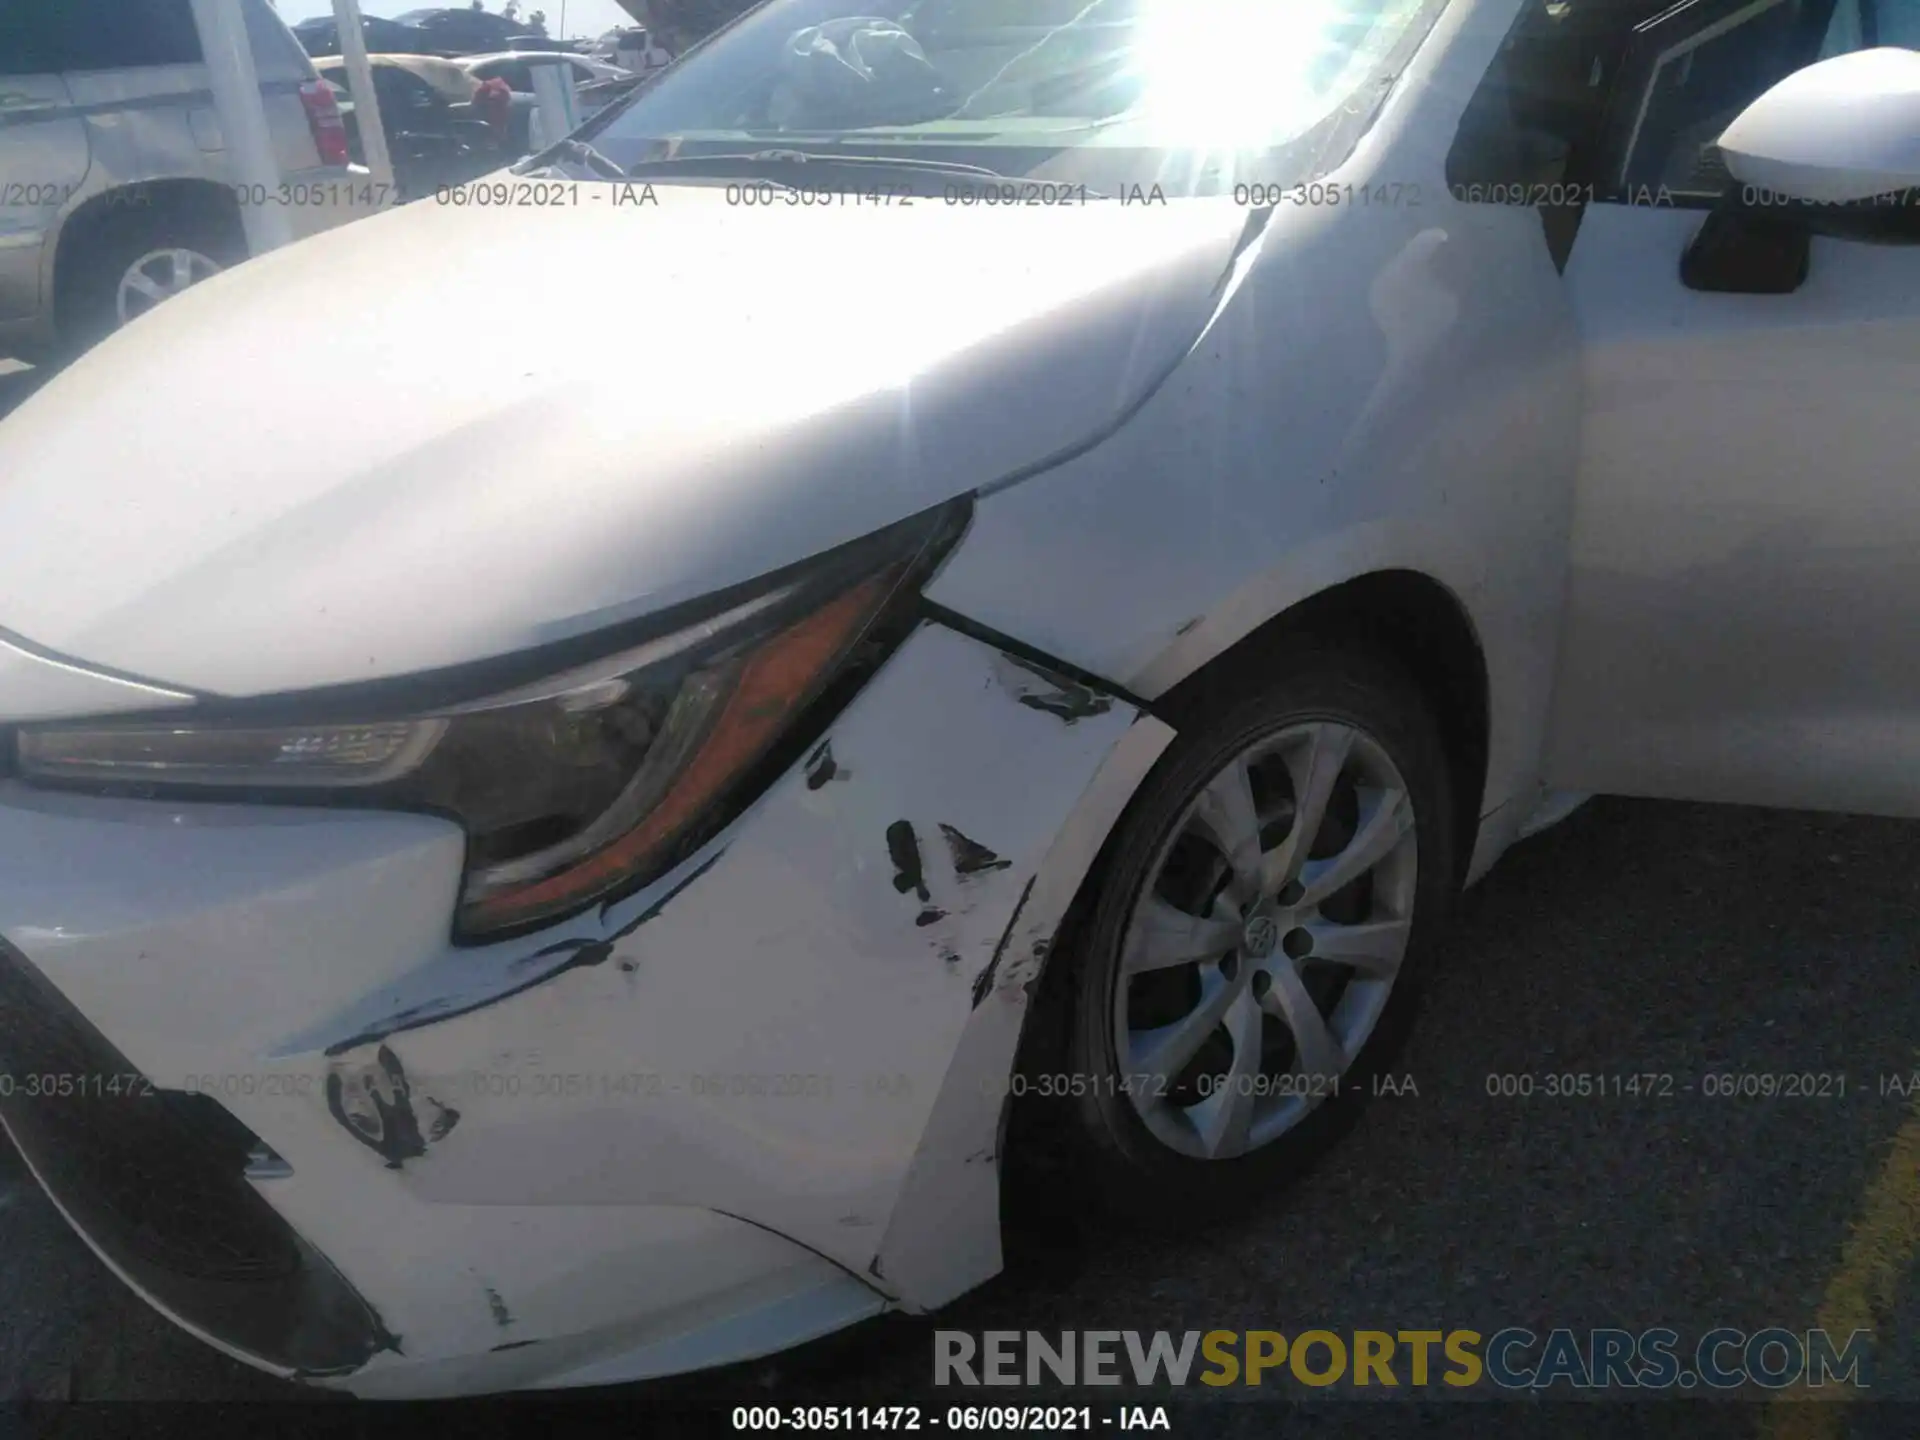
(1251, 958)
(136, 260)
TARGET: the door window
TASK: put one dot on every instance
(1691, 76)
(1690, 73)
(78, 35)
(276, 50)
(405, 100)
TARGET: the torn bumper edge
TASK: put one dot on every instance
(885, 1188)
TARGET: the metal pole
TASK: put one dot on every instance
(366, 102)
(243, 120)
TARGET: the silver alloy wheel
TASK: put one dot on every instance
(158, 276)
(1267, 940)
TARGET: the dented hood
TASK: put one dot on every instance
(445, 434)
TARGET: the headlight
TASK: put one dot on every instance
(573, 789)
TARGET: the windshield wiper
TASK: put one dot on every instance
(577, 151)
(756, 164)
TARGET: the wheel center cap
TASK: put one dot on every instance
(1259, 937)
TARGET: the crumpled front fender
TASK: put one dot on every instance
(770, 1085)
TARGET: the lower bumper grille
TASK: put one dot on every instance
(154, 1179)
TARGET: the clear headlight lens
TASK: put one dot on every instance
(571, 790)
(321, 755)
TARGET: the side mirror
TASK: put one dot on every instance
(1836, 133)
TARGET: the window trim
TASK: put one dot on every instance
(1667, 57)
(1644, 59)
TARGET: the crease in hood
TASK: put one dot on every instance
(449, 434)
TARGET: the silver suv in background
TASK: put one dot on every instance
(116, 187)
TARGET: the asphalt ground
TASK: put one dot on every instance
(1638, 939)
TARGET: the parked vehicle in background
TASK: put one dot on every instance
(633, 48)
(678, 25)
(516, 68)
(117, 193)
(596, 84)
(468, 31)
(436, 132)
(603, 46)
(601, 93)
(321, 37)
(547, 45)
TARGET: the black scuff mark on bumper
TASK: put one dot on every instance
(502, 1316)
(583, 954)
(444, 1119)
(1058, 695)
(843, 1268)
(652, 912)
(983, 982)
(1036, 661)
(970, 857)
(376, 1108)
(903, 849)
(512, 1345)
(1042, 948)
(822, 769)
(1023, 972)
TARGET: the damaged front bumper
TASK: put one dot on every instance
(745, 1107)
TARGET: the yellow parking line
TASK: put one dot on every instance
(1880, 1246)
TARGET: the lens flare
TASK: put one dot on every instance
(1242, 74)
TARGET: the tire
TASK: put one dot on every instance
(1095, 1143)
(90, 284)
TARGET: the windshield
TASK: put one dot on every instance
(1189, 95)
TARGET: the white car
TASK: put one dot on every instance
(516, 67)
(1075, 531)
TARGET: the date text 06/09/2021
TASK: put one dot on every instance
(985, 1418)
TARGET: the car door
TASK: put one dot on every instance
(433, 143)
(414, 115)
(43, 152)
(134, 67)
(517, 73)
(1743, 611)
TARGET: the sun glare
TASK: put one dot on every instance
(1233, 73)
